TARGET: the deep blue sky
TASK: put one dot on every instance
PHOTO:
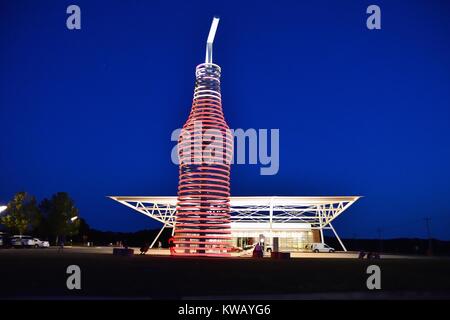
(360, 112)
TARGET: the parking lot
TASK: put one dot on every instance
(41, 273)
(166, 252)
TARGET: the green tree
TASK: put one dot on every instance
(84, 231)
(61, 216)
(22, 214)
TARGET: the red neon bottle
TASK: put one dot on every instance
(205, 151)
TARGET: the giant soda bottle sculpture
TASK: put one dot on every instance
(205, 151)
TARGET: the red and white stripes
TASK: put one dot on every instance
(205, 150)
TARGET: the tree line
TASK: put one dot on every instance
(56, 218)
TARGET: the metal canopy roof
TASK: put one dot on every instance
(318, 212)
(247, 201)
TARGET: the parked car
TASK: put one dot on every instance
(321, 247)
(249, 247)
(5, 240)
(40, 244)
(19, 241)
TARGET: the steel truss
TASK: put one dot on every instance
(318, 212)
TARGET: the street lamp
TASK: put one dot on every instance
(72, 221)
(3, 208)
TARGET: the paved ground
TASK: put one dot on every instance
(165, 252)
(41, 273)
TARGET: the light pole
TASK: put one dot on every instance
(3, 208)
(430, 240)
(72, 220)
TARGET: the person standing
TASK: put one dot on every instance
(257, 252)
(61, 245)
(172, 246)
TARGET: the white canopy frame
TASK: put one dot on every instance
(318, 212)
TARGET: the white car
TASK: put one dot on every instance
(321, 247)
(22, 241)
(28, 242)
(40, 244)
